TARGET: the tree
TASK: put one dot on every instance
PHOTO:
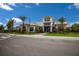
(10, 25)
(1, 28)
(62, 20)
(38, 29)
(75, 27)
(23, 24)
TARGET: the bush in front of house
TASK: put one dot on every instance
(75, 27)
(38, 29)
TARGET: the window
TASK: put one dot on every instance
(46, 23)
(47, 19)
(31, 28)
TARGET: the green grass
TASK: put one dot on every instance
(29, 33)
(63, 34)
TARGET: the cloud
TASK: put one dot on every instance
(1, 23)
(5, 7)
(77, 22)
(76, 5)
(37, 4)
(16, 20)
(72, 23)
(12, 4)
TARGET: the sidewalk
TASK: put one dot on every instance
(50, 37)
(5, 36)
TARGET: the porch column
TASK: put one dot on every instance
(34, 29)
(43, 28)
(28, 29)
(51, 28)
(43, 24)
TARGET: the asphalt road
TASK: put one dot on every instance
(26, 46)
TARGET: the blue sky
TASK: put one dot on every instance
(34, 11)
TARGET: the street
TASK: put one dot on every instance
(28, 46)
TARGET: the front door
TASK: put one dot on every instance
(47, 28)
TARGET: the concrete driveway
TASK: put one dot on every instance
(20, 45)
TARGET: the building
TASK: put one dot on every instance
(60, 27)
(47, 25)
(28, 26)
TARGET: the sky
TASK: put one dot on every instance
(35, 11)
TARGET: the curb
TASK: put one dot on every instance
(50, 37)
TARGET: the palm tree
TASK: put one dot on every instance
(10, 25)
(23, 25)
(62, 20)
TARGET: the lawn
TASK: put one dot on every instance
(63, 34)
(25, 33)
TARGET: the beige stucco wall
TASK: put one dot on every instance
(64, 25)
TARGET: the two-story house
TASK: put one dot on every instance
(47, 25)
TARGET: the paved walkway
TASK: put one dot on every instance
(5, 36)
(41, 35)
(50, 37)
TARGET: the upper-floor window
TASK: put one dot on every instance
(46, 23)
(47, 19)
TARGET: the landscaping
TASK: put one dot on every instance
(71, 34)
(59, 29)
(19, 32)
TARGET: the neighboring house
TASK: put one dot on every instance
(58, 25)
(47, 25)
